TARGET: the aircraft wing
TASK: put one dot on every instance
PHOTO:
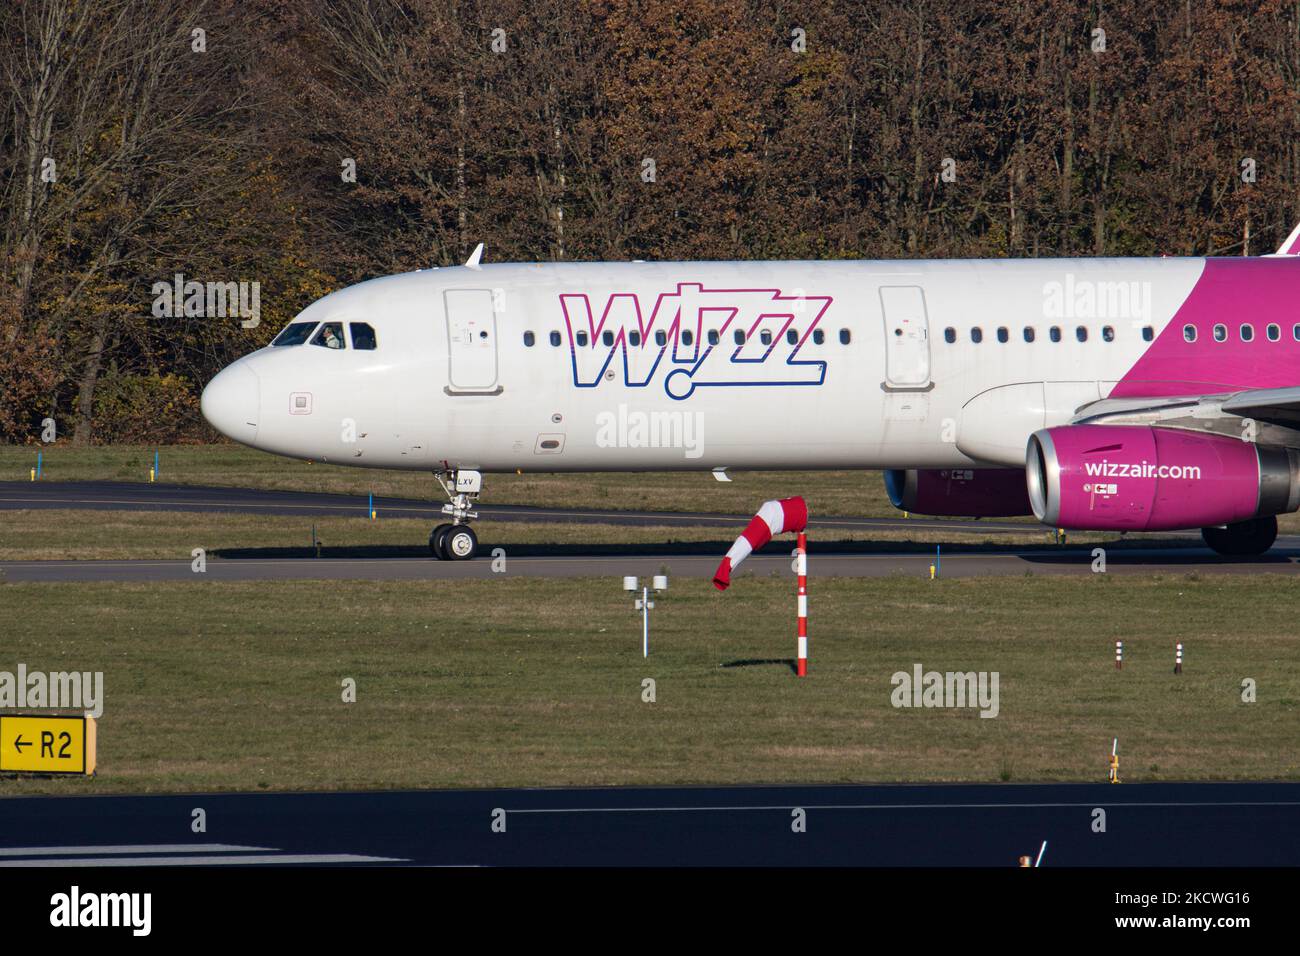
(1274, 406)
(1280, 406)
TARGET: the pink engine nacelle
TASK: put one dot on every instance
(959, 492)
(1145, 478)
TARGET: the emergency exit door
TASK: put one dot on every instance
(907, 337)
(471, 340)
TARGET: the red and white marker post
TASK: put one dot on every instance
(801, 569)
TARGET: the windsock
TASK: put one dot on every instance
(775, 517)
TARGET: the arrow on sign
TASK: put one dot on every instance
(19, 743)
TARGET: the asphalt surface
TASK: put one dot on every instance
(1172, 561)
(692, 560)
(136, 496)
(1256, 824)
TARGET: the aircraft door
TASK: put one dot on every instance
(907, 337)
(471, 342)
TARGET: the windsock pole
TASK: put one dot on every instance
(801, 568)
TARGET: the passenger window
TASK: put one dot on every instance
(582, 338)
(298, 332)
(791, 337)
(1081, 333)
(740, 336)
(330, 336)
(1029, 333)
(713, 336)
(555, 339)
(1054, 333)
(529, 339)
(1273, 332)
(661, 337)
(363, 336)
(819, 336)
(765, 337)
(1247, 333)
(1108, 333)
(634, 339)
(1148, 333)
(950, 335)
(1295, 332)
(1003, 334)
(845, 337)
(1220, 333)
(688, 337)
(607, 337)
(977, 335)
(1189, 333)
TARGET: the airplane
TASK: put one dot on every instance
(1103, 394)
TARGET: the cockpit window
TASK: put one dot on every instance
(294, 334)
(363, 336)
(330, 336)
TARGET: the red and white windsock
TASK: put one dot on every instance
(775, 517)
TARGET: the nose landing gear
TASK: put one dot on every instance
(457, 541)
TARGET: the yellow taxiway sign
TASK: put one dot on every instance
(47, 744)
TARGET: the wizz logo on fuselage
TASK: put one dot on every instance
(674, 339)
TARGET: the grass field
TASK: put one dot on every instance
(829, 492)
(529, 682)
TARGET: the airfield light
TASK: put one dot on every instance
(643, 604)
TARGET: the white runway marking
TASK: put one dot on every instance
(911, 806)
(284, 859)
(173, 854)
(127, 848)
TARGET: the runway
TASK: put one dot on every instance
(1256, 824)
(1074, 561)
(136, 496)
(1169, 555)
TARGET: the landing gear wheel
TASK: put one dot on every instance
(437, 541)
(455, 541)
(461, 543)
(1244, 538)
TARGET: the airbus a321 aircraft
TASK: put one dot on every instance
(1095, 394)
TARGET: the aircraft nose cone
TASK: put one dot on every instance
(232, 403)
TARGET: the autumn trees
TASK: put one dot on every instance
(305, 144)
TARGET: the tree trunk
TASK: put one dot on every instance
(89, 380)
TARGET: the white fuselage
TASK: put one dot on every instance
(452, 382)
